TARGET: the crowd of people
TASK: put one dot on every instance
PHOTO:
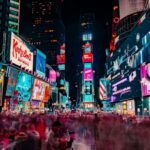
(67, 131)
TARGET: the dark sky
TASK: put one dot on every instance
(71, 10)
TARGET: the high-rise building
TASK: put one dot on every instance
(86, 23)
(9, 17)
(48, 31)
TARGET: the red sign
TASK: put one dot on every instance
(61, 59)
(87, 57)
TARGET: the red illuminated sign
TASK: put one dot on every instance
(87, 57)
(61, 59)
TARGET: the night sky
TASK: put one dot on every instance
(71, 10)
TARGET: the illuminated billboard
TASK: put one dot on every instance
(88, 87)
(38, 91)
(40, 63)
(87, 37)
(61, 59)
(20, 53)
(24, 86)
(126, 86)
(62, 49)
(61, 67)
(1, 86)
(87, 65)
(88, 74)
(127, 7)
(52, 75)
(12, 80)
(87, 98)
(145, 79)
(87, 48)
(87, 57)
(48, 92)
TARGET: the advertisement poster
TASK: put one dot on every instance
(126, 87)
(61, 67)
(38, 91)
(61, 59)
(20, 53)
(48, 92)
(1, 86)
(52, 75)
(87, 48)
(40, 63)
(87, 65)
(87, 98)
(88, 74)
(24, 86)
(87, 57)
(12, 80)
(88, 87)
(145, 79)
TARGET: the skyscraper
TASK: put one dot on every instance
(9, 17)
(47, 27)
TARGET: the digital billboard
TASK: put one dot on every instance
(48, 92)
(1, 86)
(87, 48)
(61, 59)
(126, 86)
(87, 37)
(12, 74)
(88, 87)
(20, 53)
(62, 49)
(61, 67)
(24, 86)
(103, 87)
(88, 74)
(52, 75)
(145, 79)
(40, 63)
(38, 91)
(87, 65)
(87, 98)
(87, 57)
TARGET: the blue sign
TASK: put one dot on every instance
(40, 63)
(61, 67)
(24, 86)
(87, 98)
(87, 65)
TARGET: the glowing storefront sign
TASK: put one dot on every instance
(20, 53)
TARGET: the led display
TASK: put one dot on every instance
(87, 98)
(1, 86)
(88, 87)
(61, 67)
(40, 63)
(145, 79)
(87, 37)
(87, 65)
(12, 80)
(87, 48)
(24, 86)
(61, 59)
(88, 74)
(126, 86)
(87, 57)
(52, 75)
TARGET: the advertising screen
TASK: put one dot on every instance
(87, 98)
(1, 86)
(61, 67)
(88, 74)
(127, 86)
(87, 37)
(40, 63)
(88, 87)
(87, 48)
(87, 57)
(12, 80)
(20, 53)
(38, 91)
(24, 86)
(52, 75)
(103, 84)
(62, 49)
(61, 59)
(145, 79)
(87, 65)
(48, 92)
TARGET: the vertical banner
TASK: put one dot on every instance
(1, 86)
